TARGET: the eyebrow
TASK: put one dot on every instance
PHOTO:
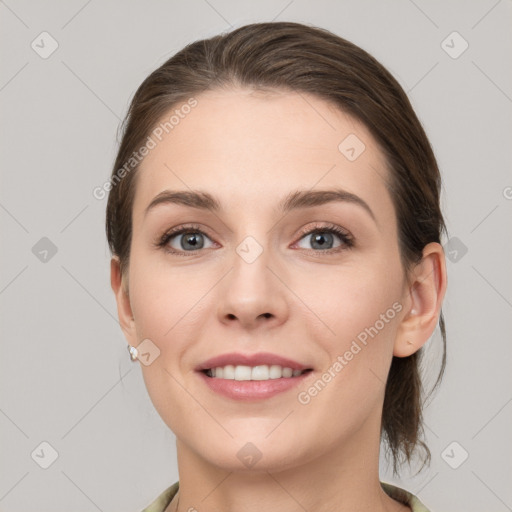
(295, 200)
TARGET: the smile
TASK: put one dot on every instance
(260, 372)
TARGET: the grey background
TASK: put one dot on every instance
(65, 375)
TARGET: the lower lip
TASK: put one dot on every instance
(252, 389)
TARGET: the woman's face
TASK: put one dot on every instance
(252, 282)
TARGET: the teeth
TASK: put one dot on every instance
(241, 372)
(287, 372)
(262, 372)
(259, 373)
(228, 372)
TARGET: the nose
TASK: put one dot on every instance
(253, 293)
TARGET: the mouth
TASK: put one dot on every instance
(252, 376)
(259, 372)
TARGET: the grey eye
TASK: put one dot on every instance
(322, 240)
(189, 241)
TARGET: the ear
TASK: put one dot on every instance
(423, 299)
(120, 288)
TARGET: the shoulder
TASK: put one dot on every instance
(404, 497)
(163, 499)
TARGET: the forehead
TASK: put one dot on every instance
(252, 147)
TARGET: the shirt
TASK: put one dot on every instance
(397, 493)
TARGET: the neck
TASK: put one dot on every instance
(344, 479)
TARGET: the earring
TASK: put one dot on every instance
(134, 353)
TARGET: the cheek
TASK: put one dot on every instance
(165, 306)
(350, 299)
(164, 302)
(359, 306)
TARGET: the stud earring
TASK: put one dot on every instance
(134, 353)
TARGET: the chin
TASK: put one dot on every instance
(255, 452)
(250, 459)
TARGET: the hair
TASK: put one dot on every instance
(287, 56)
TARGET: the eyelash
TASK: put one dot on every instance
(346, 238)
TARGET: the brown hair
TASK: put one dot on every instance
(296, 57)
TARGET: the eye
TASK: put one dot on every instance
(183, 239)
(188, 239)
(323, 238)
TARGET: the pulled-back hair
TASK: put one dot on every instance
(295, 57)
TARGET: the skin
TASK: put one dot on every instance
(250, 150)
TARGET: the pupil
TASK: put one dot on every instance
(192, 240)
(321, 238)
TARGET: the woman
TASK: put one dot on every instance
(275, 228)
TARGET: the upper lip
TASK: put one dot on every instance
(257, 359)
